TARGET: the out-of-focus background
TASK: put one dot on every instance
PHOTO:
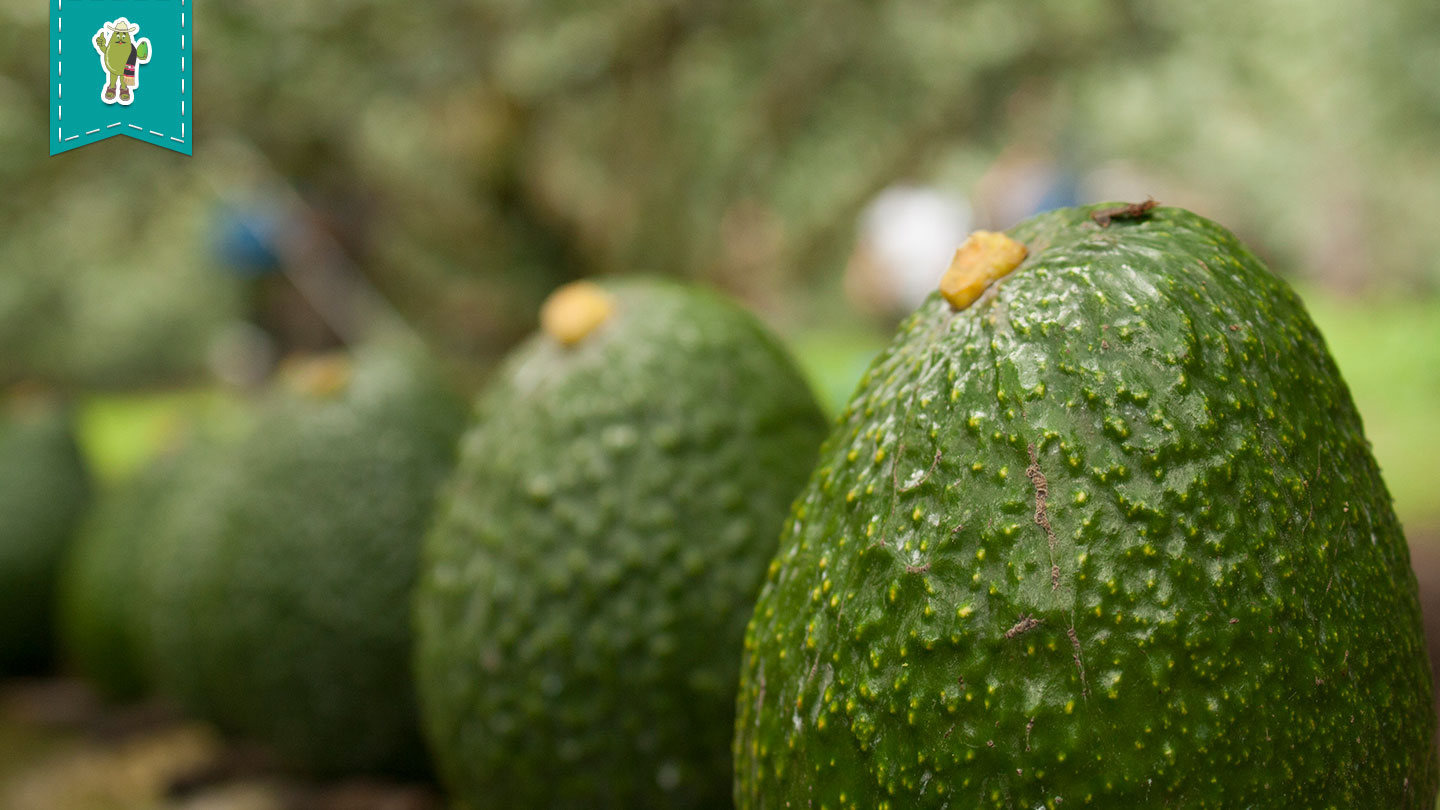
(446, 164)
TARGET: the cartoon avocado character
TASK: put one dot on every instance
(120, 55)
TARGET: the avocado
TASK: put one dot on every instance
(279, 585)
(598, 549)
(44, 489)
(102, 618)
(1099, 528)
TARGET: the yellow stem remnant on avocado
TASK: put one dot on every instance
(318, 377)
(573, 311)
(985, 258)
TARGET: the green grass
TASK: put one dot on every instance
(834, 359)
(1388, 350)
(119, 432)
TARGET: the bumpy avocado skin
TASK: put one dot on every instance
(586, 587)
(44, 488)
(280, 584)
(1224, 617)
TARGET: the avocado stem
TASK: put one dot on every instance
(574, 311)
(985, 258)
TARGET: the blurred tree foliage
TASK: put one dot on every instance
(101, 283)
(1315, 124)
(469, 156)
(485, 151)
(472, 155)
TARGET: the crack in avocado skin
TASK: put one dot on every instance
(596, 558)
(1231, 569)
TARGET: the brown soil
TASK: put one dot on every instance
(63, 749)
(1425, 558)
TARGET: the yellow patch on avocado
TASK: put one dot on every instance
(574, 311)
(985, 258)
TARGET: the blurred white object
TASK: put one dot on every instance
(908, 235)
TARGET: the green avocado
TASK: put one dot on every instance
(102, 617)
(279, 585)
(598, 550)
(44, 489)
(1109, 536)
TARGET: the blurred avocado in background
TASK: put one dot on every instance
(103, 612)
(44, 490)
(144, 449)
(278, 587)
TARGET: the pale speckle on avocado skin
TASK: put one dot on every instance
(1235, 622)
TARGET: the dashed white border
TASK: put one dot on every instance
(60, 86)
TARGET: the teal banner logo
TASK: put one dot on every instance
(120, 67)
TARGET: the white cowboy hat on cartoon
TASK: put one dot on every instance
(122, 24)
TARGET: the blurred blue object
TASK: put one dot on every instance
(246, 239)
(1061, 191)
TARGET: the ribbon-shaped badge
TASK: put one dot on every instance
(120, 67)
